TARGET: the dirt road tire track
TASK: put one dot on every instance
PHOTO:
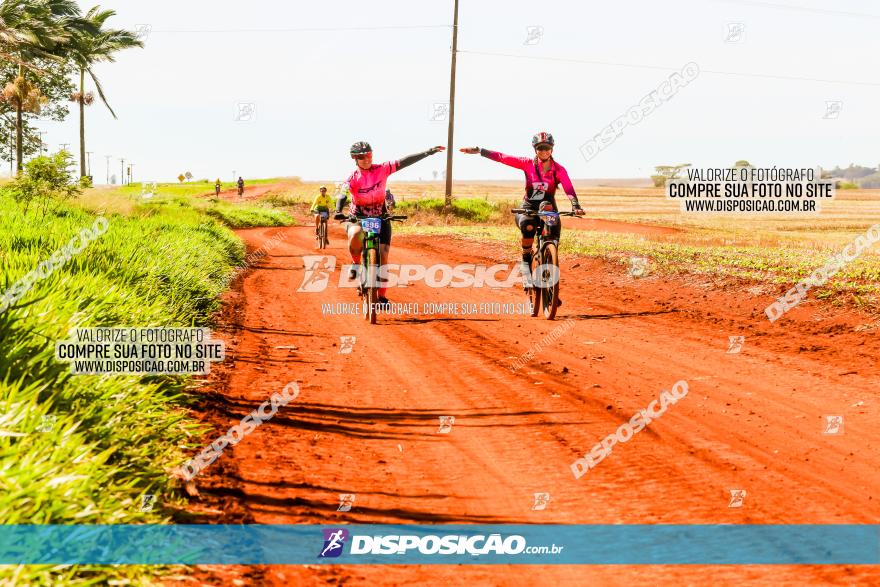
(367, 422)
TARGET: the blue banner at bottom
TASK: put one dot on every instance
(441, 544)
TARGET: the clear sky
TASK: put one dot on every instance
(317, 91)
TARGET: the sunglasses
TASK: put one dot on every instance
(543, 148)
(362, 157)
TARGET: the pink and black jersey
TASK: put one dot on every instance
(368, 185)
(540, 185)
(368, 188)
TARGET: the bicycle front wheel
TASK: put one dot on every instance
(322, 235)
(534, 285)
(371, 291)
(550, 281)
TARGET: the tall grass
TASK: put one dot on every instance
(114, 438)
(468, 209)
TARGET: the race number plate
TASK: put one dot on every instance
(372, 224)
(550, 218)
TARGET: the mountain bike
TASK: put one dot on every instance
(543, 284)
(321, 235)
(368, 288)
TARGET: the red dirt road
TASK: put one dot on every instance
(367, 422)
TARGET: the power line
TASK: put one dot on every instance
(800, 8)
(308, 29)
(667, 68)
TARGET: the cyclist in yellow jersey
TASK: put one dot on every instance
(321, 206)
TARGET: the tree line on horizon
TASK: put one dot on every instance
(47, 48)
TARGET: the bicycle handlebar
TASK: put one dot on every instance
(528, 212)
(344, 217)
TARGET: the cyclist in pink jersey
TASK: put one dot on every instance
(543, 174)
(367, 185)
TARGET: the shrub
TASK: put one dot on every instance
(45, 178)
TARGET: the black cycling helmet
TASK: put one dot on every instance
(541, 138)
(360, 148)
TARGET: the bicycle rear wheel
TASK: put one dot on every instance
(550, 275)
(370, 291)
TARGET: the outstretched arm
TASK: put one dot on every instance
(410, 159)
(564, 181)
(516, 162)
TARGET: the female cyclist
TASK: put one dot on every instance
(367, 185)
(543, 174)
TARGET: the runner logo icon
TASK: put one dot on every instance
(334, 541)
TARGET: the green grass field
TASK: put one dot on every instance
(84, 449)
(187, 188)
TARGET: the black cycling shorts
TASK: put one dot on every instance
(524, 222)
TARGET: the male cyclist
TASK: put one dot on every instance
(217, 187)
(240, 186)
(367, 185)
(321, 205)
(543, 174)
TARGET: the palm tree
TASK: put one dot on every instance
(30, 29)
(87, 49)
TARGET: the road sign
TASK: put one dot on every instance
(181, 177)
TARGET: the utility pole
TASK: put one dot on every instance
(451, 110)
(130, 172)
(108, 168)
(89, 163)
(122, 170)
(64, 146)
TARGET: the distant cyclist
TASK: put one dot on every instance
(389, 200)
(321, 205)
(367, 185)
(342, 193)
(217, 187)
(543, 174)
(240, 186)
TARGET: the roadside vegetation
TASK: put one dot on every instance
(88, 449)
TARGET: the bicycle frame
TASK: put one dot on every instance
(369, 284)
(539, 290)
